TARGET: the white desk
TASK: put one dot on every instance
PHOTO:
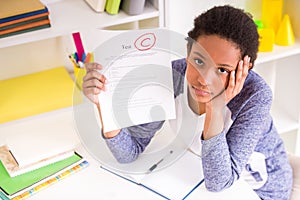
(94, 182)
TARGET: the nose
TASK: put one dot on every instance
(201, 79)
(205, 76)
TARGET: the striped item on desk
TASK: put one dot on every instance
(51, 181)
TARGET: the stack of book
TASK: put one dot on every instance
(34, 160)
(18, 17)
(19, 180)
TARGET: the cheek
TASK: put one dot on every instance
(221, 82)
(191, 74)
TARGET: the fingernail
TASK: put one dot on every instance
(241, 63)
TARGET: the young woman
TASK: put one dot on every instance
(239, 138)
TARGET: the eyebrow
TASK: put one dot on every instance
(226, 65)
(221, 65)
(199, 54)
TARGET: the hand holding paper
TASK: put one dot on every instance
(134, 81)
(93, 82)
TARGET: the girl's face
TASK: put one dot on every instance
(209, 64)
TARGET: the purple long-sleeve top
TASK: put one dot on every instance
(249, 140)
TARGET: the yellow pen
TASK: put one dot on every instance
(73, 61)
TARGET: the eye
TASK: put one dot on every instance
(223, 70)
(199, 61)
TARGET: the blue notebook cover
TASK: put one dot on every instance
(177, 181)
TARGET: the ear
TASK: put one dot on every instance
(189, 45)
(250, 66)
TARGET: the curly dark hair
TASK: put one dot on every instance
(232, 24)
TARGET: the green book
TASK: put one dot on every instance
(10, 186)
(112, 6)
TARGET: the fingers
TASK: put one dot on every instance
(241, 74)
(93, 82)
(237, 79)
(92, 66)
(231, 83)
(94, 75)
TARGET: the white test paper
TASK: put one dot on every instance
(139, 85)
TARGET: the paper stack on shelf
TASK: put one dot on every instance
(18, 17)
(97, 5)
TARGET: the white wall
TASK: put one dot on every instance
(180, 14)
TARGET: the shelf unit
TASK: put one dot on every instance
(281, 70)
(49, 47)
(279, 52)
(67, 16)
(285, 111)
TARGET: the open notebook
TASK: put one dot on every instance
(179, 167)
(175, 181)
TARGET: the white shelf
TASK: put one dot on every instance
(279, 52)
(283, 122)
(67, 16)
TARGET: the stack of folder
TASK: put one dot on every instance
(27, 184)
(18, 17)
(43, 160)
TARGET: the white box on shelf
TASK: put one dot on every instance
(97, 5)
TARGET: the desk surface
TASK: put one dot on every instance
(94, 182)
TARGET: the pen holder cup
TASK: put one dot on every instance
(79, 73)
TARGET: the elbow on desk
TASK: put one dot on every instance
(217, 186)
(128, 156)
(124, 157)
(126, 160)
(211, 188)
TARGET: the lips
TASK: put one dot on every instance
(200, 92)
